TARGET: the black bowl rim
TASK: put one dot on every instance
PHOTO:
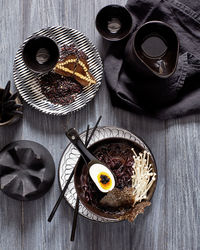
(32, 38)
(115, 39)
(177, 41)
(110, 138)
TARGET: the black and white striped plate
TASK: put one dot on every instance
(26, 81)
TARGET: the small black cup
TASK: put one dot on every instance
(153, 49)
(114, 22)
(40, 54)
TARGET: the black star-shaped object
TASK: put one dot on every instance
(26, 170)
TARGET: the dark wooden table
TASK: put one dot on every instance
(172, 222)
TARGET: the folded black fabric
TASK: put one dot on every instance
(173, 97)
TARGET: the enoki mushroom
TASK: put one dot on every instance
(143, 176)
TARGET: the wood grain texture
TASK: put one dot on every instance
(171, 223)
(10, 211)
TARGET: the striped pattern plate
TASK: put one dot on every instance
(26, 81)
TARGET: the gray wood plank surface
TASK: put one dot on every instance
(171, 223)
(10, 211)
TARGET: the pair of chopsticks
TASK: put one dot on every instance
(87, 141)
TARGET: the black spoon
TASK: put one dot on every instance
(91, 161)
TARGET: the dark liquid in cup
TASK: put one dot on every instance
(154, 46)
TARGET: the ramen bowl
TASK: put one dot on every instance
(116, 154)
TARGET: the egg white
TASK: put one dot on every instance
(95, 169)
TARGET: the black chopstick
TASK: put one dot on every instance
(77, 199)
(75, 219)
(87, 141)
(87, 134)
(69, 179)
(60, 197)
(93, 130)
(64, 189)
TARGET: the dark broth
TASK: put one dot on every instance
(119, 158)
(154, 46)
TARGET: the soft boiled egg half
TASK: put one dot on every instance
(102, 177)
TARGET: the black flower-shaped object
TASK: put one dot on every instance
(9, 104)
(27, 170)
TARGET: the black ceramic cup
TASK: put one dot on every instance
(153, 49)
(114, 22)
(40, 54)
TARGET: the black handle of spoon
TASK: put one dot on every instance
(74, 137)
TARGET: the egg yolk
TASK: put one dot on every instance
(104, 180)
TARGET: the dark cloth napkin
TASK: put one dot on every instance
(162, 98)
